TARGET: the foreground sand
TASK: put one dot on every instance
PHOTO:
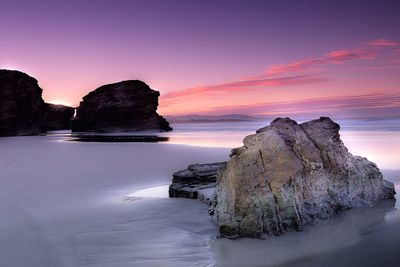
(66, 204)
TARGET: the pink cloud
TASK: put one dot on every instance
(333, 57)
(245, 85)
(287, 75)
(374, 104)
(370, 51)
(384, 43)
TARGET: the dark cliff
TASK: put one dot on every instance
(124, 106)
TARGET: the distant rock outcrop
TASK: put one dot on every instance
(124, 106)
(287, 175)
(196, 182)
(21, 104)
(58, 117)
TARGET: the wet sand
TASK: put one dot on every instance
(71, 204)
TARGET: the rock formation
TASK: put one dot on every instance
(124, 106)
(21, 104)
(58, 117)
(287, 175)
(196, 182)
(22, 109)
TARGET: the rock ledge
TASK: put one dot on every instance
(198, 181)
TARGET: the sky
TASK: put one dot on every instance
(272, 57)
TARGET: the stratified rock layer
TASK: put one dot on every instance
(124, 106)
(287, 175)
(196, 182)
(58, 117)
(21, 104)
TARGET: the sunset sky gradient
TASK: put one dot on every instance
(337, 58)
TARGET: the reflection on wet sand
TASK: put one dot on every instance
(352, 234)
(378, 246)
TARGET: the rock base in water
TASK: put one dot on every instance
(289, 174)
(118, 138)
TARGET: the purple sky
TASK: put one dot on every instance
(211, 56)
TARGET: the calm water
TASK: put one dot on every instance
(377, 140)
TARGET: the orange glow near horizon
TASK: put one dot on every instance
(60, 102)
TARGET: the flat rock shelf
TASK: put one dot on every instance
(119, 138)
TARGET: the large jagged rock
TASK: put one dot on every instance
(124, 106)
(287, 175)
(58, 117)
(21, 104)
(196, 182)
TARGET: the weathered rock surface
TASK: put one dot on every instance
(58, 117)
(287, 175)
(21, 104)
(196, 182)
(124, 106)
